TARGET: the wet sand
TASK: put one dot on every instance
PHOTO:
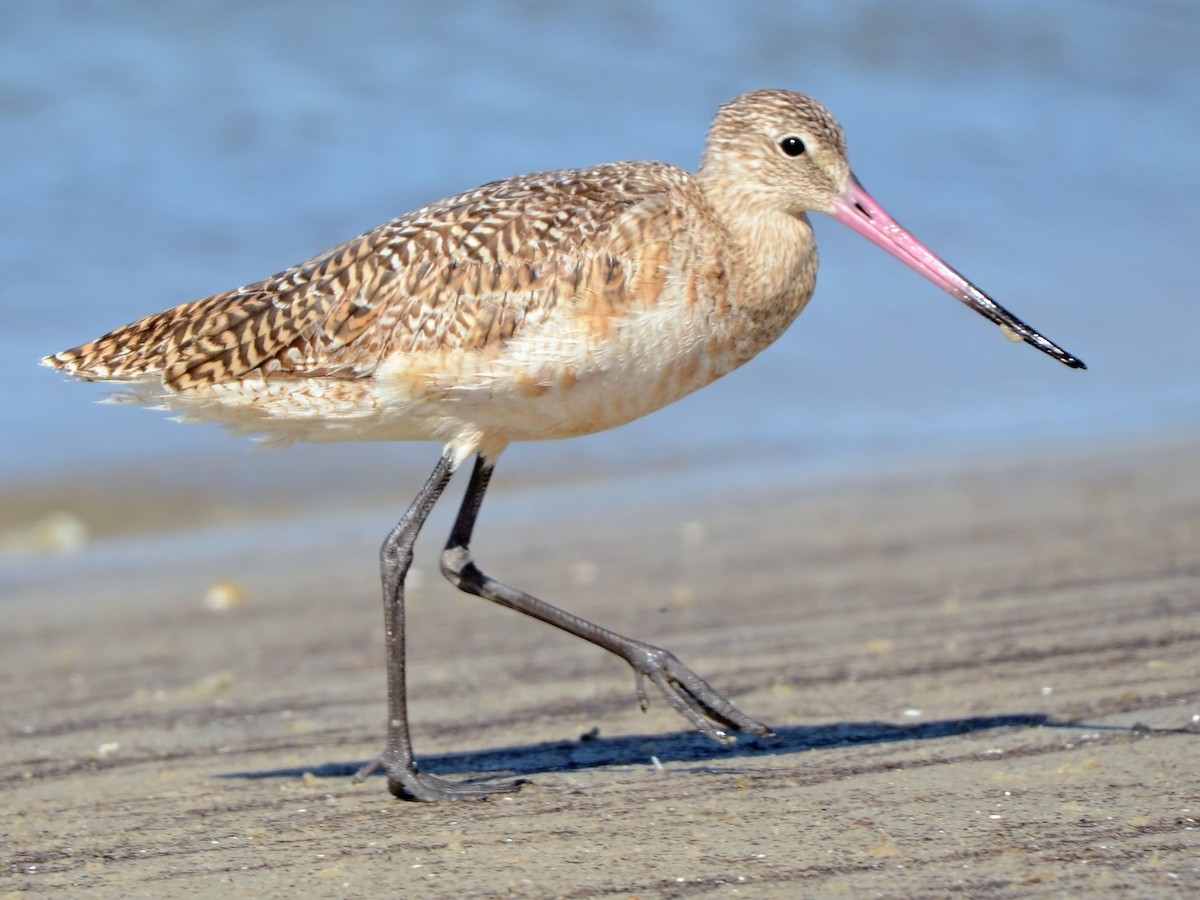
(985, 677)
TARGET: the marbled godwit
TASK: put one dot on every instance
(539, 307)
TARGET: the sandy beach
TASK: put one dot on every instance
(983, 675)
(983, 666)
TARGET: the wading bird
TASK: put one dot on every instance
(544, 306)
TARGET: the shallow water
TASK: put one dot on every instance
(155, 153)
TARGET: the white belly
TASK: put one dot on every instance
(557, 381)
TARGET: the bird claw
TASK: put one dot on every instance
(408, 782)
(639, 679)
(689, 694)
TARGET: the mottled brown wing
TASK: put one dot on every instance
(229, 335)
(301, 322)
(468, 272)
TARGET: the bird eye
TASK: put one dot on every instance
(792, 145)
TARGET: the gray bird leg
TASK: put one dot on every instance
(395, 558)
(689, 694)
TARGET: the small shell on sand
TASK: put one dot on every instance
(223, 596)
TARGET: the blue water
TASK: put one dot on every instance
(152, 153)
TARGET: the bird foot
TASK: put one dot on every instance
(690, 695)
(407, 782)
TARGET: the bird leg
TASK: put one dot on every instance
(689, 694)
(395, 558)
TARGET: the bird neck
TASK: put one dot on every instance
(776, 249)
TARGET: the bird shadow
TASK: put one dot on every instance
(591, 751)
